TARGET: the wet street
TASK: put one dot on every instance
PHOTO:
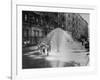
(38, 61)
(32, 62)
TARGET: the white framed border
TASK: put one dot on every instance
(16, 70)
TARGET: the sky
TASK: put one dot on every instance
(85, 16)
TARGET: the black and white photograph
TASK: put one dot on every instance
(52, 40)
(55, 39)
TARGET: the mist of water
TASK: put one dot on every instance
(63, 49)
